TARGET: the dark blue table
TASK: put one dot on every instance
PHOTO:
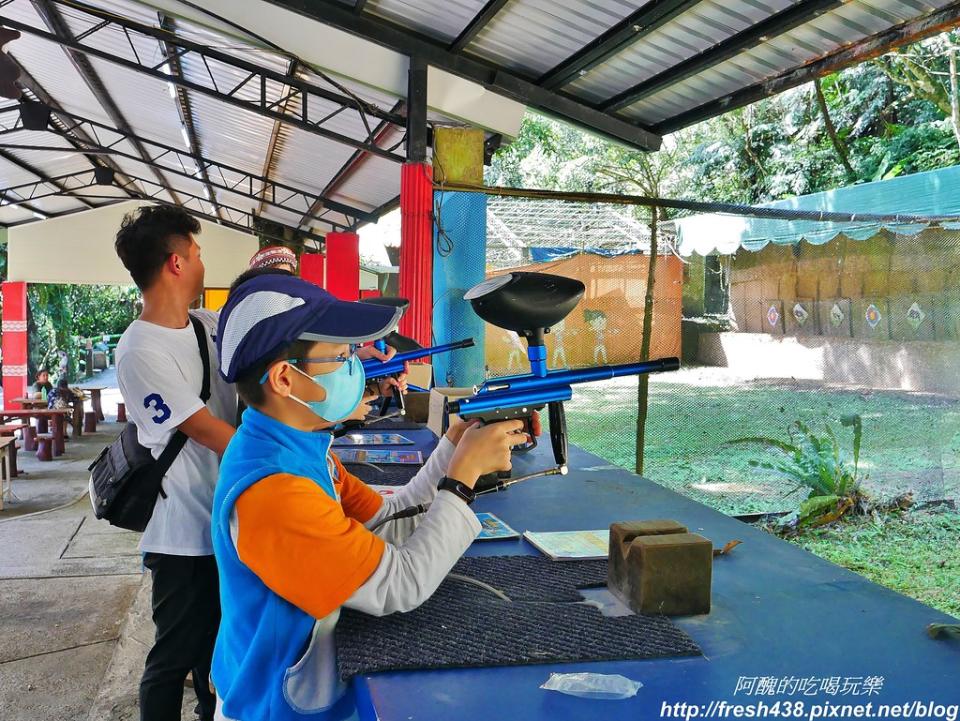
(778, 612)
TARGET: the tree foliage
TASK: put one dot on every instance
(892, 116)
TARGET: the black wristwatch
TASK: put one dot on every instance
(461, 490)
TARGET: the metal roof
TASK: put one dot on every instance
(186, 107)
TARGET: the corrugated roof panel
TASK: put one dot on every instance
(50, 162)
(532, 36)
(306, 161)
(48, 64)
(230, 135)
(441, 19)
(10, 214)
(817, 38)
(372, 184)
(57, 204)
(701, 27)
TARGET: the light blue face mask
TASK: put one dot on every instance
(344, 388)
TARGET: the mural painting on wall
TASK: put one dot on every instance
(607, 326)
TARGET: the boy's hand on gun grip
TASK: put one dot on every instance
(456, 430)
(386, 385)
(485, 449)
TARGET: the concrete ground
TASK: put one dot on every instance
(75, 621)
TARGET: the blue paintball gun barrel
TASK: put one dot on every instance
(528, 304)
(375, 369)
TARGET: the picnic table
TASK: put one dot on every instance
(10, 456)
(76, 404)
(57, 415)
(95, 399)
(8, 447)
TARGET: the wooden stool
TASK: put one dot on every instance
(90, 422)
(43, 425)
(44, 447)
(121, 413)
(30, 439)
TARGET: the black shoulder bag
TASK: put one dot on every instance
(125, 480)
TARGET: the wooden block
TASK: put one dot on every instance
(668, 574)
(621, 537)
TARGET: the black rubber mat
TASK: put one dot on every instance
(390, 475)
(464, 625)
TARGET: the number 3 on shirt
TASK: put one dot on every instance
(155, 402)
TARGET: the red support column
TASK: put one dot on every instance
(416, 250)
(14, 342)
(312, 268)
(343, 265)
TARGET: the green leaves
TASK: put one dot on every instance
(816, 462)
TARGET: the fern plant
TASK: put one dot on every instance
(818, 463)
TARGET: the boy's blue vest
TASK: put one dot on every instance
(261, 635)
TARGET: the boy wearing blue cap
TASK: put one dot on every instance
(291, 526)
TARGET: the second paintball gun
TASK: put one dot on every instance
(528, 304)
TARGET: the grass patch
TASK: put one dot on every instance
(915, 553)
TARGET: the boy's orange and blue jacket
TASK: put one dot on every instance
(275, 582)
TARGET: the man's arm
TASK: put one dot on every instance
(208, 430)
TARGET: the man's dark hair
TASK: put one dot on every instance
(148, 236)
(249, 387)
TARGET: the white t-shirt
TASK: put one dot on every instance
(160, 375)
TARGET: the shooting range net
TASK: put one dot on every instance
(789, 329)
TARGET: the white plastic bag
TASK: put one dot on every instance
(600, 686)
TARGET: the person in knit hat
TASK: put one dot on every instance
(274, 256)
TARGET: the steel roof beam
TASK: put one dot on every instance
(60, 32)
(352, 165)
(479, 22)
(33, 170)
(946, 18)
(500, 81)
(234, 217)
(76, 137)
(183, 106)
(777, 24)
(250, 185)
(270, 157)
(652, 16)
(256, 78)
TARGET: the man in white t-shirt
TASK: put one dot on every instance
(160, 373)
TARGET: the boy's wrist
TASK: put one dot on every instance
(462, 472)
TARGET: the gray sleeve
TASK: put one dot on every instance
(408, 574)
(422, 488)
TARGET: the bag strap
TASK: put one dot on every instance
(179, 439)
(201, 333)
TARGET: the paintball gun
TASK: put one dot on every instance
(408, 350)
(528, 304)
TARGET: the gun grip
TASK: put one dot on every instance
(528, 429)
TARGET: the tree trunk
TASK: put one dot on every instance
(954, 99)
(645, 339)
(832, 131)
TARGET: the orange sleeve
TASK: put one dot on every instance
(298, 541)
(357, 498)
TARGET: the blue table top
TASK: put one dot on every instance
(781, 618)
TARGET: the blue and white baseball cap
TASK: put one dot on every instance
(267, 312)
